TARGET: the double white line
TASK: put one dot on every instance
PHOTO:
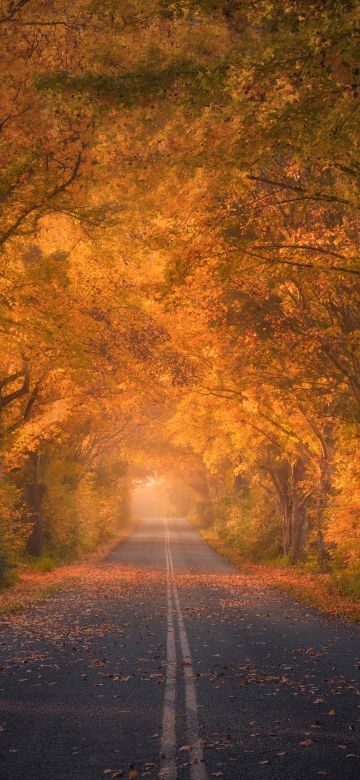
(168, 740)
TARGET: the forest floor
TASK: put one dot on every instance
(318, 590)
(31, 586)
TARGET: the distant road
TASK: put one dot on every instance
(166, 663)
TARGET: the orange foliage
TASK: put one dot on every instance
(180, 276)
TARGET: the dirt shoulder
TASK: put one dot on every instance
(32, 586)
(318, 590)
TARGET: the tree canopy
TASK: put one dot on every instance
(179, 269)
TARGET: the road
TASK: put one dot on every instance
(165, 662)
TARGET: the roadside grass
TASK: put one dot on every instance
(45, 563)
(34, 581)
(337, 592)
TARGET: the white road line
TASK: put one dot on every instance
(197, 767)
(168, 737)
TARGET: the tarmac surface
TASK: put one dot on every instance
(165, 662)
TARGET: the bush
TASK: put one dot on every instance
(45, 563)
(5, 568)
(249, 523)
(13, 529)
(347, 581)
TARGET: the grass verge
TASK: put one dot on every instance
(317, 590)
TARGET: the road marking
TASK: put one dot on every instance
(168, 738)
(197, 767)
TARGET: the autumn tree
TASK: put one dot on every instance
(179, 254)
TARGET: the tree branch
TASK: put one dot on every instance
(307, 247)
(11, 378)
(303, 191)
(32, 209)
(14, 10)
(19, 393)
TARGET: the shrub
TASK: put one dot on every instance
(45, 563)
(347, 581)
(5, 568)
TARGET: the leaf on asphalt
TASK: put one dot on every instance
(306, 742)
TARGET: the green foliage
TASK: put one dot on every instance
(200, 83)
(5, 567)
(45, 563)
(13, 529)
(203, 512)
(249, 523)
(81, 508)
(346, 581)
(278, 562)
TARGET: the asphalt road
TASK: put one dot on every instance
(165, 662)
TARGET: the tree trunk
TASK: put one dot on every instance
(286, 509)
(321, 504)
(33, 496)
(322, 553)
(280, 480)
(299, 519)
